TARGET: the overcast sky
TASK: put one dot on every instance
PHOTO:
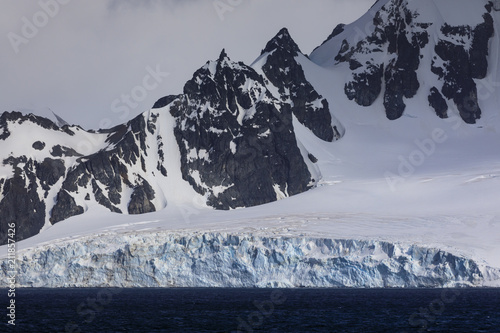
(97, 63)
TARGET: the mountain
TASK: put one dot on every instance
(279, 64)
(238, 147)
(235, 142)
(397, 44)
(383, 141)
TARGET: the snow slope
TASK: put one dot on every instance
(415, 182)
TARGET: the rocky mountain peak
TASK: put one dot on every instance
(283, 71)
(223, 56)
(225, 62)
(237, 143)
(225, 84)
(234, 126)
(385, 56)
(8, 118)
(282, 41)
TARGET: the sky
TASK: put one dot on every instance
(100, 63)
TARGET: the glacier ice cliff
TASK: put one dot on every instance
(164, 259)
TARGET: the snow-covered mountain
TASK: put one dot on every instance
(388, 132)
(279, 63)
(403, 43)
(235, 146)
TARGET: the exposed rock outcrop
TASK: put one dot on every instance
(285, 73)
(238, 146)
(385, 57)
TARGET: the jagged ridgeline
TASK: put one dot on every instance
(399, 45)
(230, 137)
(279, 64)
(234, 139)
(237, 142)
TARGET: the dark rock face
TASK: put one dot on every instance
(38, 145)
(40, 121)
(438, 103)
(106, 173)
(164, 101)
(387, 58)
(66, 207)
(365, 86)
(21, 204)
(23, 195)
(59, 151)
(284, 72)
(49, 172)
(237, 147)
(26, 197)
(4, 129)
(312, 158)
(460, 66)
(140, 202)
(399, 73)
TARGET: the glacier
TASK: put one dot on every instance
(391, 206)
(218, 259)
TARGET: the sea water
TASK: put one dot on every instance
(254, 310)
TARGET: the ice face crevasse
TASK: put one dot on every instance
(164, 259)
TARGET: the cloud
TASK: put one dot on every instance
(91, 53)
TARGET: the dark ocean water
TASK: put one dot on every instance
(254, 310)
